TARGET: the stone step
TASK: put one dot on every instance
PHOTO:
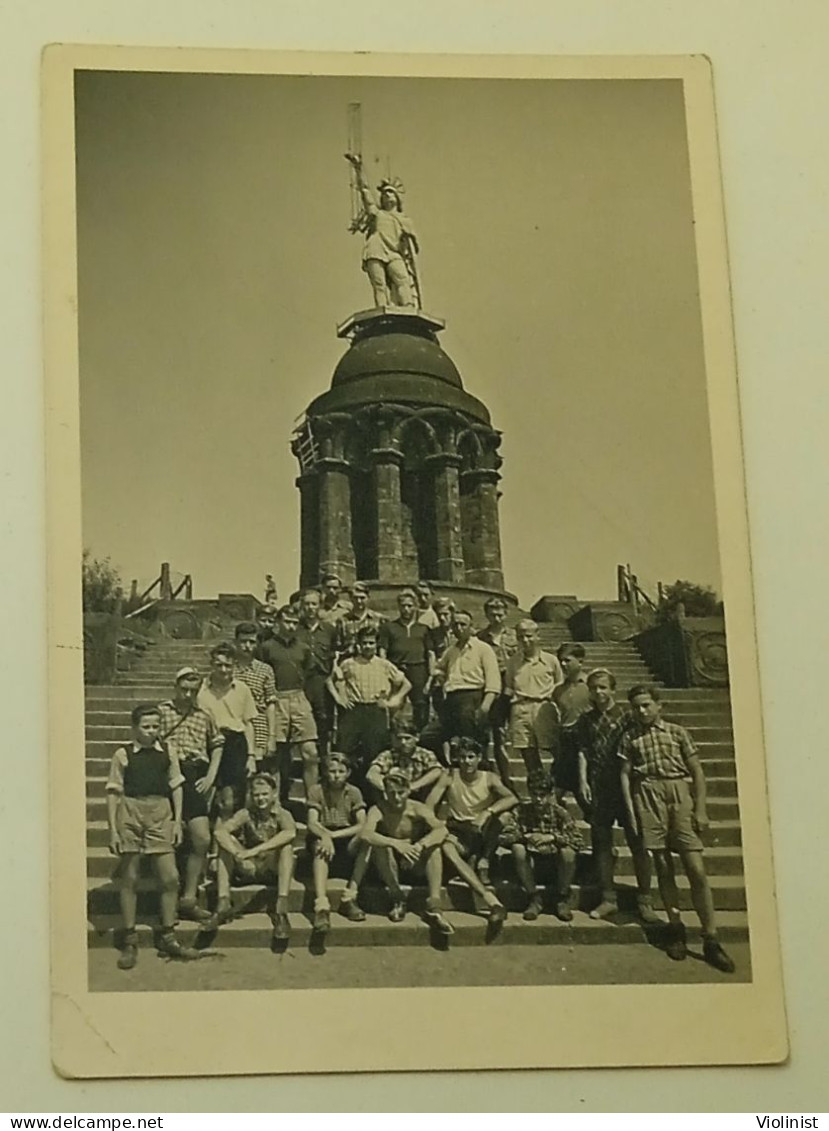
(254, 930)
(719, 861)
(102, 896)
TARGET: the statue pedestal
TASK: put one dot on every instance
(383, 319)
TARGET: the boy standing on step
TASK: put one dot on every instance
(230, 704)
(406, 835)
(663, 786)
(191, 736)
(256, 845)
(531, 677)
(572, 699)
(142, 778)
(599, 733)
(259, 678)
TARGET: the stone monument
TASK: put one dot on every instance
(399, 465)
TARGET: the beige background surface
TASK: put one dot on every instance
(767, 121)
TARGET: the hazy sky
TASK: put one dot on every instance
(556, 231)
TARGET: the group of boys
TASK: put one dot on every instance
(398, 715)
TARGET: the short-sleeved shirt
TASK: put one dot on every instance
(292, 663)
(470, 667)
(323, 639)
(504, 647)
(367, 681)
(231, 709)
(658, 751)
(351, 623)
(252, 828)
(404, 644)
(599, 735)
(414, 767)
(572, 700)
(336, 812)
(143, 771)
(534, 678)
(190, 735)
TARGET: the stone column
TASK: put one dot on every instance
(336, 552)
(449, 538)
(486, 490)
(389, 543)
(309, 569)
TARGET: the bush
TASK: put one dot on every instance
(698, 601)
(102, 588)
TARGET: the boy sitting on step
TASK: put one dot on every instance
(256, 846)
(663, 786)
(419, 765)
(143, 776)
(405, 835)
(541, 827)
(336, 815)
(472, 800)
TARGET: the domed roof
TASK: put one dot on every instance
(395, 353)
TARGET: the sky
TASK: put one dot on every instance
(557, 241)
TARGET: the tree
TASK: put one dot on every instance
(102, 588)
(697, 600)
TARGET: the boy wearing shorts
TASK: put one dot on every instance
(472, 800)
(543, 828)
(256, 846)
(230, 704)
(663, 787)
(296, 729)
(530, 680)
(142, 822)
(336, 815)
(599, 733)
(405, 835)
(572, 699)
(192, 737)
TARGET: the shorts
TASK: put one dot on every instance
(294, 718)
(608, 804)
(233, 770)
(193, 803)
(145, 825)
(665, 809)
(533, 724)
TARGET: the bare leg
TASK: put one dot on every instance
(434, 877)
(285, 874)
(319, 867)
(224, 870)
(400, 283)
(524, 869)
(602, 840)
(666, 880)
(310, 764)
(165, 869)
(130, 864)
(467, 874)
(387, 867)
(700, 891)
(565, 872)
(363, 853)
(199, 833)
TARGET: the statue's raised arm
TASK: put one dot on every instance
(391, 242)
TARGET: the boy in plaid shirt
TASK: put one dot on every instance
(260, 679)
(540, 826)
(664, 793)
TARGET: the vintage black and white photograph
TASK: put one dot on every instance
(415, 616)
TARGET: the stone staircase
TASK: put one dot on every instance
(706, 713)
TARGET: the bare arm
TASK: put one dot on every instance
(698, 790)
(400, 689)
(352, 830)
(370, 834)
(374, 776)
(437, 829)
(627, 795)
(436, 796)
(286, 835)
(429, 778)
(506, 799)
